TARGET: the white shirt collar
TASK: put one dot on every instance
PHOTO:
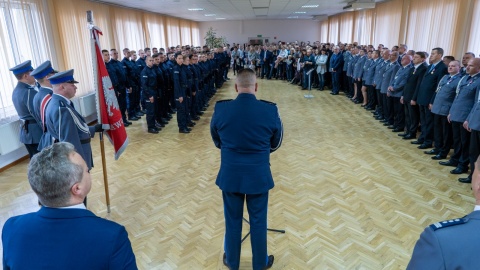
(76, 206)
(477, 208)
(417, 65)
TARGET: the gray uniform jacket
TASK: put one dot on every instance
(379, 71)
(464, 99)
(451, 244)
(390, 71)
(358, 69)
(446, 92)
(399, 80)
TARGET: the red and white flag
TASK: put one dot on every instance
(107, 105)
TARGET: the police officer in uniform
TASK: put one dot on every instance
(22, 98)
(445, 94)
(149, 93)
(132, 76)
(246, 130)
(123, 85)
(451, 244)
(42, 74)
(462, 105)
(64, 123)
(180, 93)
(472, 124)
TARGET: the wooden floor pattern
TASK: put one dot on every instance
(349, 193)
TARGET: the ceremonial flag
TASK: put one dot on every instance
(107, 105)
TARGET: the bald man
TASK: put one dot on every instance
(246, 130)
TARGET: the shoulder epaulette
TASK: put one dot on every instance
(269, 102)
(224, 100)
(448, 223)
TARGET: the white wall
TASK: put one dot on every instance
(284, 30)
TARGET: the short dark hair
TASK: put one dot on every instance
(439, 50)
(146, 49)
(449, 57)
(104, 51)
(421, 54)
(155, 55)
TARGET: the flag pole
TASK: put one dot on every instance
(99, 112)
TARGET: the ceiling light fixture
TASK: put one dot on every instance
(300, 12)
(310, 6)
(210, 15)
(196, 9)
(293, 17)
(220, 18)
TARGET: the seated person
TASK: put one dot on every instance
(63, 234)
(451, 244)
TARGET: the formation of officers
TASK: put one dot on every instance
(159, 84)
(439, 97)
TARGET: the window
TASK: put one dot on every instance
(22, 39)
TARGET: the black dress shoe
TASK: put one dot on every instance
(386, 123)
(270, 262)
(191, 122)
(134, 118)
(465, 180)
(424, 146)
(397, 130)
(152, 130)
(200, 113)
(416, 142)
(184, 130)
(402, 134)
(190, 125)
(408, 137)
(379, 118)
(159, 125)
(196, 117)
(438, 157)
(458, 170)
(432, 152)
(127, 122)
(391, 127)
(448, 163)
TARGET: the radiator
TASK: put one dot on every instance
(86, 106)
(10, 134)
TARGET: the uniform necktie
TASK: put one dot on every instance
(431, 68)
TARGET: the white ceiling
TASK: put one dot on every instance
(238, 9)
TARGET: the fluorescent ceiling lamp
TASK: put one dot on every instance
(300, 12)
(293, 17)
(220, 18)
(196, 9)
(210, 15)
(310, 6)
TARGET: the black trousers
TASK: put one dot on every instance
(379, 103)
(442, 134)
(351, 90)
(388, 108)
(371, 96)
(461, 145)
(122, 102)
(426, 120)
(412, 116)
(474, 149)
(359, 90)
(343, 81)
(398, 113)
(182, 113)
(32, 149)
(150, 106)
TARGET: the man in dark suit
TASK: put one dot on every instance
(451, 244)
(425, 94)
(63, 234)
(246, 130)
(336, 67)
(472, 124)
(22, 98)
(412, 114)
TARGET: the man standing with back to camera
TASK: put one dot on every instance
(246, 130)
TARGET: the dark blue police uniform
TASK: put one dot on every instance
(149, 90)
(22, 98)
(246, 130)
(180, 85)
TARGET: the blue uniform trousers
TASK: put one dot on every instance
(257, 205)
(182, 113)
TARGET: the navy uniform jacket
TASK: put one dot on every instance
(160, 80)
(448, 245)
(22, 98)
(246, 130)
(336, 62)
(112, 73)
(390, 71)
(425, 92)
(65, 124)
(179, 82)
(474, 116)
(130, 72)
(399, 80)
(121, 70)
(446, 92)
(149, 82)
(413, 81)
(268, 57)
(464, 99)
(65, 239)
(141, 64)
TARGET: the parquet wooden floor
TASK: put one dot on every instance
(349, 193)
